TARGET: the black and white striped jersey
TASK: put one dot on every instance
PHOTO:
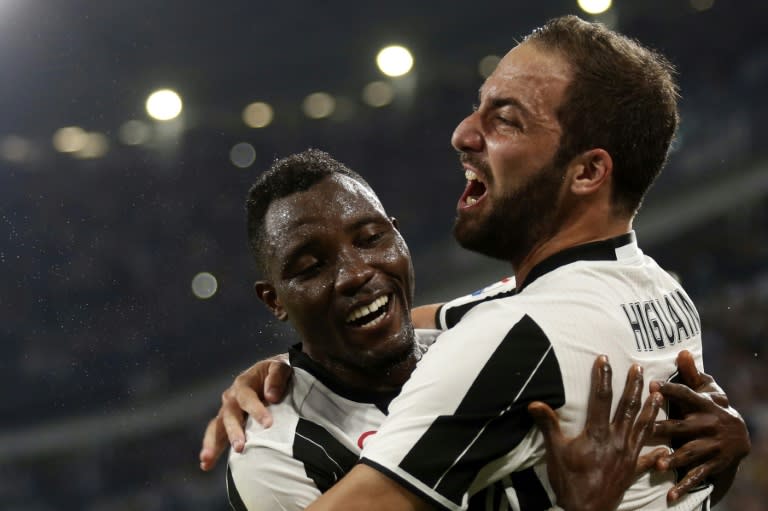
(461, 423)
(316, 438)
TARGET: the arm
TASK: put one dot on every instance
(593, 470)
(716, 435)
(588, 472)
(245, 395)
(424, 315)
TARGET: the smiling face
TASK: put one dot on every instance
(507, 148)
(339, 270)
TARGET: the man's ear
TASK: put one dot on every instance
(590, 171)
(395, 223)
(267, 294)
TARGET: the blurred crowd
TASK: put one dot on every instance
(97, 260)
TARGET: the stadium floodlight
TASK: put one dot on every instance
(318, 105)
(258, 115)
(204, 285)
(164, 105)
(594, 6)
(394, 60)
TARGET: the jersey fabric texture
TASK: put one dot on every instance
(461, 424)
(316, 437)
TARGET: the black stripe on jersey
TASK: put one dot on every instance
(453, 314)
(492, 418)
(489, 498)
(530, 492)
(325, 459)
(235, 501)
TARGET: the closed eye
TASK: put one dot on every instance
(308, 271)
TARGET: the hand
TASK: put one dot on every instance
(246, 395)
(593, 470)
(716, 435)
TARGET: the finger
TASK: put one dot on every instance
(685, 396)
(276, 383)
(629, 404)
(214, 443)
(643, 428)
(248, 401)
(547, 421)
(687, 369)
(600, 398)
(694, 425)
(233, 419)
(692, 453)
(692, 479)
(649, 460)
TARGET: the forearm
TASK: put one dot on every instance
(424, 315)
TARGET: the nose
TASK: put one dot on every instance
(467, 137)
(353, 272)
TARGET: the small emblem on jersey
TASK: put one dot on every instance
(362, 438)
(489, 288)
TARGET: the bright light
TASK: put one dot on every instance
(164, 105)
(242, 155)
(70, 139)
(378, 94)
(204, 285)
(702, 5)
(394, 60)
(14, 148)
(134, 132)
(487, 64)
(258, 115)
(594, 6)
(96, 146)
(318, 105)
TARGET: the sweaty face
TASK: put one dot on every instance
(507, 149)
(342, 273)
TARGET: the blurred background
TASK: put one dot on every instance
(129, 135)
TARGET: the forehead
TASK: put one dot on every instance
(534, 77)
(335, 201)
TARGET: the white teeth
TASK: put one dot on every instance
(364, 310)
(470, 175)
(471, 201)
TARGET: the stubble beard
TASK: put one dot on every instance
(518, 221)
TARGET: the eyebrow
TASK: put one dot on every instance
(296, 250)
(501, 102)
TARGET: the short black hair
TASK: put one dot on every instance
(295, 173)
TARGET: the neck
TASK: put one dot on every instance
(382, 375)
(582, 229)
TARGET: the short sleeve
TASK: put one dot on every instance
(461, 421)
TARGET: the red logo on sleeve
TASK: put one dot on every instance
(363, 437)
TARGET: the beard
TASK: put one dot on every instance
(518, 220)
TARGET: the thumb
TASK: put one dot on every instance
(546, 420)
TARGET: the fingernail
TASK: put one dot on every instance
(673, 495)
(237, 445)
(265, 421)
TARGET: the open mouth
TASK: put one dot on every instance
(371, 314)
(474, 192)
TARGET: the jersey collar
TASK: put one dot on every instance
(611, 249)
(301, 360)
